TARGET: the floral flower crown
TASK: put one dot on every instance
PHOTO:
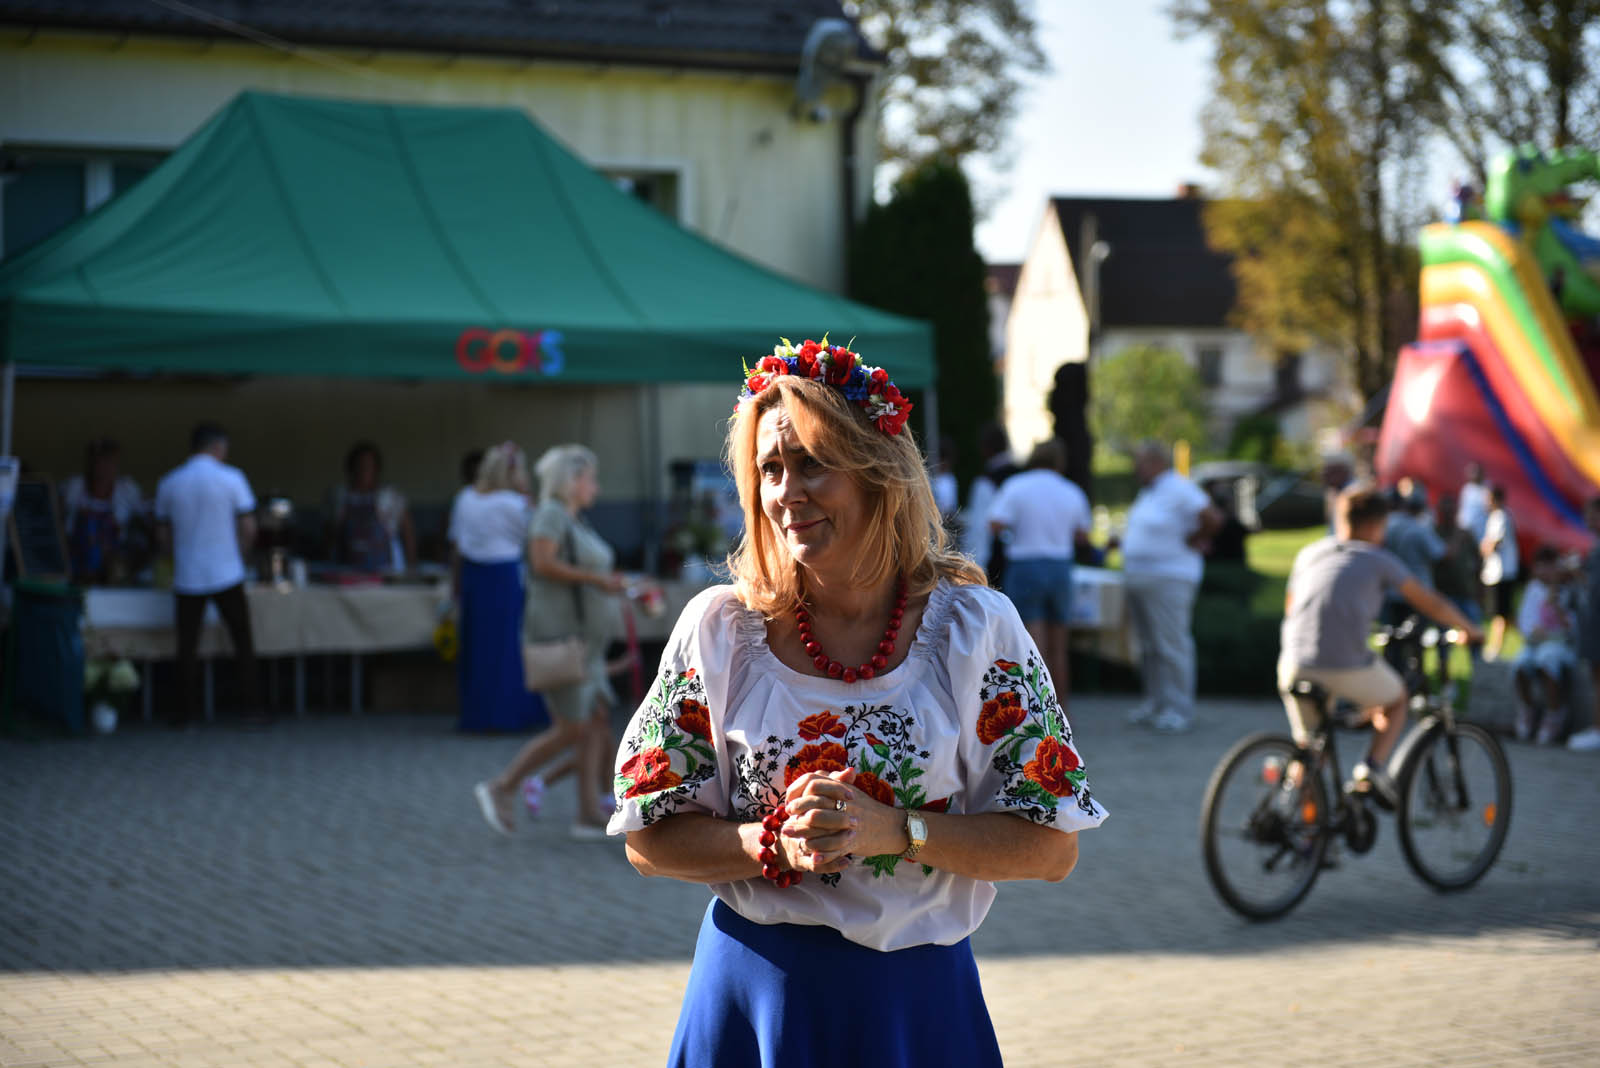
(868, 388)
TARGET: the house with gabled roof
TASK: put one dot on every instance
(1108, 273)
(751, 124)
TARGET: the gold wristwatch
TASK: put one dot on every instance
(916, 834)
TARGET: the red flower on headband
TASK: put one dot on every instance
(868, 388)
(843, 361)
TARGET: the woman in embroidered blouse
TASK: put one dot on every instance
(847, 818)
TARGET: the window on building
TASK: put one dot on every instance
(40, 198)
(659, 189)
(1209, 364)
(46, 189)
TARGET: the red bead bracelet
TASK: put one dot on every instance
(771, 824)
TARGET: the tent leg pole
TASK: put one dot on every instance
(8, 386)
(930, 426)
(8, 392)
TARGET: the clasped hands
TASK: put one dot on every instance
(821, 837)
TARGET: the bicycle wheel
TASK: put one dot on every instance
(1262, 826)
(1455, 805)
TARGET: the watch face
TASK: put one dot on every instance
(919, 828)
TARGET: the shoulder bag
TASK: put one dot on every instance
(551, 665)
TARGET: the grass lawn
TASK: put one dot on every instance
(1271, 553)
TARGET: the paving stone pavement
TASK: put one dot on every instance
(325, 894)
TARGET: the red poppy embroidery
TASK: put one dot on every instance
(1000, 713)
(815, 726)
(829, 756)
(875, 788)
(651, 772)
(1050, 764)
(694, 718)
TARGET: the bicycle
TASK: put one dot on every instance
(1274, 808)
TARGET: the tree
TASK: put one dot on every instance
(1316, 127)
(915, 256)
(952, 74)
(1146, 393)
(1526, 72)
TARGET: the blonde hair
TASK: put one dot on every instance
(903, 533)
(560, 467)
(504, 467)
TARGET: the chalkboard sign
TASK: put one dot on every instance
(34, 532)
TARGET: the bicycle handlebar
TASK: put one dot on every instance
(1415, 628)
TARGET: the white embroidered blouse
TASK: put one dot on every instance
(968, 723)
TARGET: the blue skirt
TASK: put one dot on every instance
(489, 656)
(782, 995)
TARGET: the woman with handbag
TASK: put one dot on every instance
(572, 614)
(490, 524)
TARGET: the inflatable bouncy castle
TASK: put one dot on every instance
(1506, 367)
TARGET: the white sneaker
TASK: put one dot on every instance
(1170, 722)
(1142, 713)
(1377, 780)
(491, 811)
(1585, 741)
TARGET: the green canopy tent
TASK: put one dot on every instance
(296, 236)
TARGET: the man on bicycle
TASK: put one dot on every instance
(1336, 590)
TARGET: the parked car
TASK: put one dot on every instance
(1262, 496)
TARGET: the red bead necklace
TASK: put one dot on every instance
(880, 659)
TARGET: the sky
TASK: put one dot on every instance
(1119, 115)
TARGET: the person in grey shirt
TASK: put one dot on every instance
(1336, 590)
(1411, 535)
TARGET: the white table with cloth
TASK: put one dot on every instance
(1100, 615)
(298, 622)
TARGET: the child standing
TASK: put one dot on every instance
(1544, 667)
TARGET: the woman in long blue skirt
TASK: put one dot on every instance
(489, 663)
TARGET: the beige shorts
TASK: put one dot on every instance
(1372, 686)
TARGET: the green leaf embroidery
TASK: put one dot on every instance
(911, 797)
(1033, 790)
(927, 869)
(882, 864)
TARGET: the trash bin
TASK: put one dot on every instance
(44, 658)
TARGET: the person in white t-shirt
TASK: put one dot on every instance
(1500, 567)
(977, 539)
(452, 531)
(1043, 516)
(206, 516)
(1473, 503)
(1169, 525)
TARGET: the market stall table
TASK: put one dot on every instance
(300, 621)
(285, 621)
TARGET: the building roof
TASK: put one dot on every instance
(748, 35)
(1160, 271)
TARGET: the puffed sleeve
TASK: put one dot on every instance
(1016, 744)
(670, 754)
